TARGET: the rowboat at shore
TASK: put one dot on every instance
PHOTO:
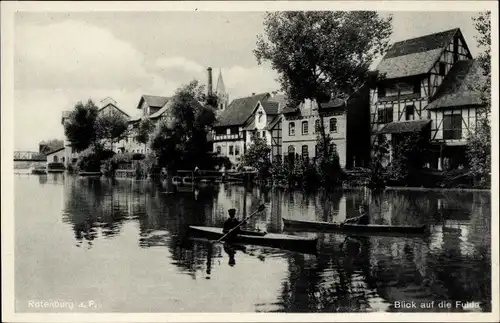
(356, 228)
(283, 241)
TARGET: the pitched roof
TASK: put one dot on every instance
(126, 114)
(54, 151)
(335, 103)
(154, 101)
(274, 122)
(161, 111)
(461, 86)
(270, 107)
(415, 56)
(239, 110)
(405, 126)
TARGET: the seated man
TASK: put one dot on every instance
(363, 219)
(231, 223)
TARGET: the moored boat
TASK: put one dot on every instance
(370, 228)
(283, 241)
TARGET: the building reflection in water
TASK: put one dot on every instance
(351, 273)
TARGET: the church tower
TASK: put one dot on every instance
(222, 95)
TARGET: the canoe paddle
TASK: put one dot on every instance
(260, 209)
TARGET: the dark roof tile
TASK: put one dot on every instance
(414, 56)
(461, 86)
(239, 110)
(406, 126)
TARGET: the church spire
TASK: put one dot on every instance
(220, 91)
(221, 88)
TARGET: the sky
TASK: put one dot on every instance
(62, 58)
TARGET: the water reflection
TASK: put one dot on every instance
(350, 273)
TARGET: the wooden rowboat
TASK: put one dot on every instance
(283, 241)
(371, 228)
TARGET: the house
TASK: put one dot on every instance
(229, 136)
(454, 113)
(152, 107)
(265, 122)
(57, 156)
(414, 75)
(345, 121)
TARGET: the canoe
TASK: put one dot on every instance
(371, 228)
(283, 241)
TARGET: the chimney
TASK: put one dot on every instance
(253, 93)
(209, 90)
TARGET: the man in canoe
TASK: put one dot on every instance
(231, 223)
(362, 219)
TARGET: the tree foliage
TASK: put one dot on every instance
(180, 138)
(380, 156)
(258, 156)
(482, 23)
(322, 54)
(479, 141)
(80, 126)
(409, 157)
(111, 127)
(144, 130)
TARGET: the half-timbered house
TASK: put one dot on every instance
(265, 123)
(410, 77)
(229, 133)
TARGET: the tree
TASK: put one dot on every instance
(409, 157)
(258, 156)
(111, 127)
(80, 127)
(320, 55)
(380, 154)
(479, 141)
(180, 138)
(144, 130)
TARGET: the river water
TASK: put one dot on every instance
(98, 245)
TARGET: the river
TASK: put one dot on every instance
(99, 245)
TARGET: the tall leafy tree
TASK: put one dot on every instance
(258, 156)
(80, 126)
(180, 138)
(111, 127)
(320, 55)
(479, 142)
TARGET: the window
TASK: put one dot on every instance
(291, 129)
(236, 150)
(220, 131)
(381, 92)
(317, 126)
(218, 149)
(442, 68)
(410, 112)
(305, 127)
(234, 131)
(259, 119)
(305, 152)
(257, 134)
(452, 126)
(384, 115)
(291, 154)
(333, 125)
(264, 134)
(231, 150)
